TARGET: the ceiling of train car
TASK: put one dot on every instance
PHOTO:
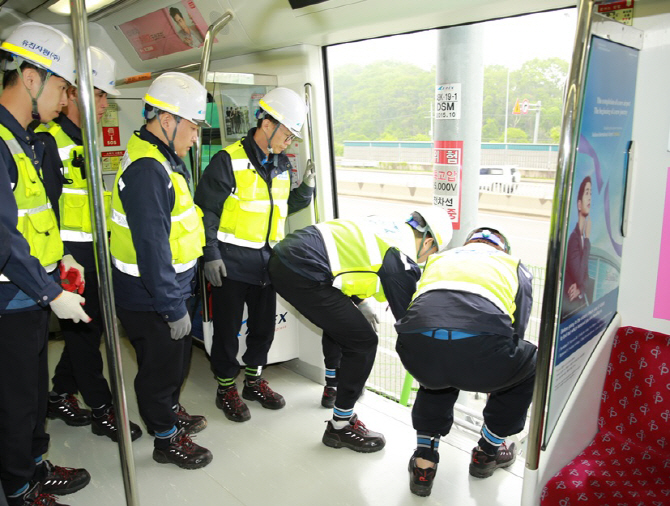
(267, 24)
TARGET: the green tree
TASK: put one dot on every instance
(384, 100)
(538, 80)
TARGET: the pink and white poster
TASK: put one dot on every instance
(662, 302)
(175, 28)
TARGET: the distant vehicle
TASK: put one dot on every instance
(499, 178)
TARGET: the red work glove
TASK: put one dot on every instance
(71, 280)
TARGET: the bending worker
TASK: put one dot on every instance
(40, 67)
(157, 238)
(245, 195)
(80, 366)
(320, 268)
(464, 331)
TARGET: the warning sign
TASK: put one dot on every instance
(447, 179)
(448, 101)
(111, 160)
(621, 11)
(521, 106)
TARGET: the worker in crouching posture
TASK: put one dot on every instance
(321, 268)
(465, 331)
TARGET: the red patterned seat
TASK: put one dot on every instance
(628, 461)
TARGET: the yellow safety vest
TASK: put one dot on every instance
(36, 219)
(75, 214)
(250, 210)
(187, 233)
(481, 270)
(355, 253)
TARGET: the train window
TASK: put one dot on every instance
(383, 102)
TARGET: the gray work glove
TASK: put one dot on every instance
(67, 306)
(309, 177)
(180, 328)
(215, 271)
(368, 310)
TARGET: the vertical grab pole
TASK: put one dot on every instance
(96, 202)
(557, 235)
(197, 149)
(310, 136)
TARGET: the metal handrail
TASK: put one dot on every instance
(96, 202)
(558, 232)
(197, 148)
(310, 137)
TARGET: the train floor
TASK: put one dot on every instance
(277, 457)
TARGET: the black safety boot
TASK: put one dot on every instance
(34, 496)
(260, 391)
(328, 397)
(61, 480)
(107, 425)
(191, 423)
(183, 452)
(233, 407)
(66, 407)
(420, 480)
(483, 465)
(354, 436)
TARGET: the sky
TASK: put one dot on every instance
(509, 42)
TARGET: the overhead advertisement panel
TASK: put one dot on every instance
(590, 284)
(177, 27)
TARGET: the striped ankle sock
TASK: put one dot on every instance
(428, 441)
(251, 374)
(341, 417)
(331, 377)
(225, 383)
(490, 442)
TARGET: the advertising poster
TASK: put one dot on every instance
(174, 28)
(590, 282)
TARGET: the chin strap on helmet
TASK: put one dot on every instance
(174, 132)
(34, 112)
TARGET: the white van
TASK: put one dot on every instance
(499, 178)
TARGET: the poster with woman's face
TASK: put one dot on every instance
(177, 27)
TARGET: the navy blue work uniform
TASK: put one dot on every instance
(247, 280)
(453, 339)
(80, 366)
(24, 328)
(301, 271)
(145, 304)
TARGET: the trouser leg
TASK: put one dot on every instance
(505, 411)
(80, 366)
(328, 308)
(228, 309)
(433, 410)
(24, 384)
(262, 308)
(160, 362)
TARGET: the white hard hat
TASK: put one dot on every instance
(103, 68)
(437, 222)
(44, 47)
(180, 95)
(287, 107)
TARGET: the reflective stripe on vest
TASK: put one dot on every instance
(75, 213)
(477, 269)
(36, 219)
(187, 233)
(251, 215)
(355, 254)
